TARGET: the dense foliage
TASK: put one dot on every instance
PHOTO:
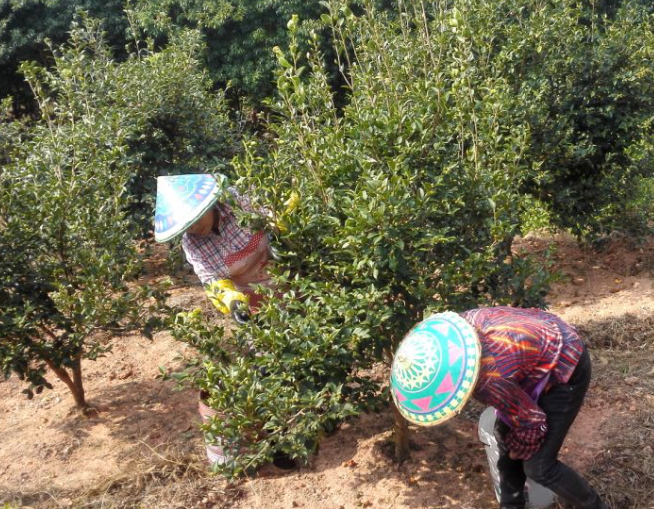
(409, 204)
(27, 25)
(280, 399)
(239, 35)
(69, 187)
(585, 88)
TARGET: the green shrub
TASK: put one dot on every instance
(171, 122)
(585, 88)
(239, 36)
(282, 398)
(409, 204)
(68, 242)
(536, 216)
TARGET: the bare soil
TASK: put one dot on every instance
(144, 449)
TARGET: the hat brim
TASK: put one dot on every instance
(435, 369)
(181, 201)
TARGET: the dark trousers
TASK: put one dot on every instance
(561, 404)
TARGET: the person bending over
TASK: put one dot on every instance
(528, 364)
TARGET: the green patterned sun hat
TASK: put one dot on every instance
(435, 368)
(181, 201)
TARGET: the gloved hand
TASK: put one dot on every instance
(292, 203)
(240, 311)
(223, 294)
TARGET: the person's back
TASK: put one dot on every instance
(525, 345)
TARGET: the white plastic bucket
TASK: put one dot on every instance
(215, 453)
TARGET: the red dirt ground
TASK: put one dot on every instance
(49, 455)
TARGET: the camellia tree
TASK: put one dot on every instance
(408, 205)
(26, 27)
(411, 195)
(585, 85)
(67, 232)
(409, 198)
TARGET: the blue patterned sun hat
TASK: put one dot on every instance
(182, 200)
(435, 369)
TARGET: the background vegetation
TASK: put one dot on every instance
(28, 25)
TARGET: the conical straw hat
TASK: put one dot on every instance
(182, 200)
(435, 369)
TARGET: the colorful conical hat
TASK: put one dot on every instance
(435, 369)
(181, 200)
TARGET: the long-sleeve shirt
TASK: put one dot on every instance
(523, 351)
(232, 253)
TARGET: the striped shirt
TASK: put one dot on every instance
(523, 352)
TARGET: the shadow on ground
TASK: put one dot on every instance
(149, 411)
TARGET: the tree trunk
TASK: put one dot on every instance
(78, 393)
(74, 384)
(401, 435)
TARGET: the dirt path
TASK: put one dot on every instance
(144, 449)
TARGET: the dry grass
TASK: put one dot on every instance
(165, 478)
(629, 331)
(623, 349)
(624, 472)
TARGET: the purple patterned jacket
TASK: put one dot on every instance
(522, 349)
